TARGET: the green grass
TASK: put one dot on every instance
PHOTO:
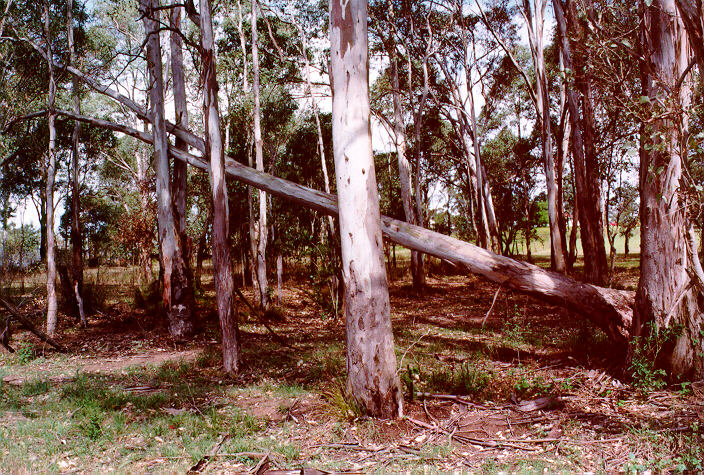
(94, 423)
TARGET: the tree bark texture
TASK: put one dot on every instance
(177, 294)
(692, 13)
(214, 150)
(371, 360)
(51, 302)
(666, 296)
(261, 226)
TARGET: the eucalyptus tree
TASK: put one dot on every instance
(261, 232)
(576, 55)
(671, 283)
(177, 289)
(76, 235)
(371, 360)
(51, 301)
(533, 12)
(385, 28)
(215, 152)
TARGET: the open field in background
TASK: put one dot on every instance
(532, 388)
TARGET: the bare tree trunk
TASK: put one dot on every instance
(371, 360)
(180, 171)
(279, 277)
(214, 150)
(485, 201)
(666, 296)
(262, 230)
(76, 235)
(177, 292)
(586, 169)
(51, 303)
(534, 22)
(401, 144)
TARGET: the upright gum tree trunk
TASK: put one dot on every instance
(534, 22)
(401, 142)
(76, 235)
(180, 170)
(404, 167)
(51, 303)
(664, 297)
(220, 235)
(371, 360)
(177, 294)
(586, 165)
(261, 227)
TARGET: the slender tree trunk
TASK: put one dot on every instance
(279, 277)
(488, 215)
(76, 235)
(371, 360)
(665, 297)
(534, 23)
(401, 144)
(177, 290)
(51, 303)
(180, 171)
(214, 150)
(262, 230)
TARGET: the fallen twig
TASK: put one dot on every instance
(205, 459)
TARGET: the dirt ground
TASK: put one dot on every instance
(527, 387)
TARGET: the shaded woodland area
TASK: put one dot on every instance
(351, 236)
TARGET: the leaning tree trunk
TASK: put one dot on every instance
(76, 235)
(666, 297)
(609, 309)
(51, 303)
(177, 294)
(215, 151)
(371, 360)
(261, 227)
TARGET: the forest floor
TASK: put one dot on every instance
(527, 388)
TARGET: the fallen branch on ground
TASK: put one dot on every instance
(14, 313)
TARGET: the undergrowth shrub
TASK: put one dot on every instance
(644, 370)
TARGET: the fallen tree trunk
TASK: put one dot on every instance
(610, 309)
